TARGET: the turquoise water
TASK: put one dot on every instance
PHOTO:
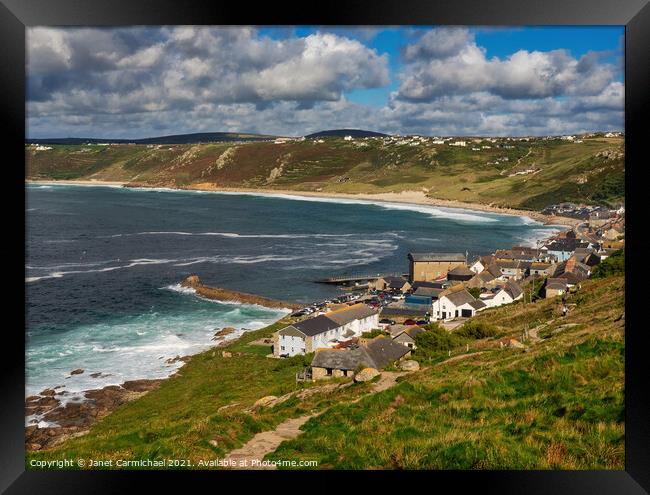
(103, 266)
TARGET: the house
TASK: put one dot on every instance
(592, 259)
(573, 271)
(406, 336)
(378, 353)
(612, 234)
(456, 302)
(399, 284)
(563, 248)
(477, 266)
(511, 269)
(423, 295)
(540, 268)
(523, 253)
(505, 294)
(555, 287)
(432, 266)
(325, 330)
(460, 273)
(483, 280)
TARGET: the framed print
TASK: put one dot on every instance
(273, 242)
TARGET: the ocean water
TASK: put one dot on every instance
(104, 263)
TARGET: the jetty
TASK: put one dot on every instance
(219, 294)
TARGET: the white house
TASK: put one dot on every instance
(325, 331)
(458, 143)
(477, 266)
(456, 303)
(507, 294)
(348, 138)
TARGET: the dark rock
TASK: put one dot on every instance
(78, 371)
(225, 331)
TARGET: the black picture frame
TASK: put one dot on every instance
(15, 15)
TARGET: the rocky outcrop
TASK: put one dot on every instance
(265, 401)
(218, 294)
(75, 417)
(366, 374)
(409, 365)
(176, 359)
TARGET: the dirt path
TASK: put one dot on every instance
(251, 454)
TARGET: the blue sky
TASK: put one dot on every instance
(283, 80)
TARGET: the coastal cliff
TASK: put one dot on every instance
(219, 294)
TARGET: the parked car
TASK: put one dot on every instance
(387, 321)
(410, 322)
(422, 322)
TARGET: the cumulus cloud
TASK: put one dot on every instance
(448, 61)
(116, 71)
(139, 82)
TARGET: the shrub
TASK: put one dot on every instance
(474, 329)
(612, 265)
(474, 291)
(436, 340)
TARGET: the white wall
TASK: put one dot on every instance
(292, 345)
(322, 340)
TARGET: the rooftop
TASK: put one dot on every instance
(436, 257)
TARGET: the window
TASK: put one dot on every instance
(328, 371)
(282, 348)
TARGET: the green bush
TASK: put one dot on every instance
(474, 329)
(474, 291)
(436, 340)
(612, 265)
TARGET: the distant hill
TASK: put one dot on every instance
(355, 133)
(515, 174)
(201, 137)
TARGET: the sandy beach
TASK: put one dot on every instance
(408, 197)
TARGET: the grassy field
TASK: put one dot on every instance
(560, 405)
(563, 171)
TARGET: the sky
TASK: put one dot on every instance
(137, 82)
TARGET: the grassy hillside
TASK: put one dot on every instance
(549, 171)
(558, 406)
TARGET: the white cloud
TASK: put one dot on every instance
(139, 82)
(459, 66)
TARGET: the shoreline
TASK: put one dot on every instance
(69, 419)
(418, 198)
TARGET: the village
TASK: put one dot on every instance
(375, 324)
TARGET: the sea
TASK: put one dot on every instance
(103, 267)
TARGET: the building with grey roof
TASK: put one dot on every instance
(378, 353)
(325, 331)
